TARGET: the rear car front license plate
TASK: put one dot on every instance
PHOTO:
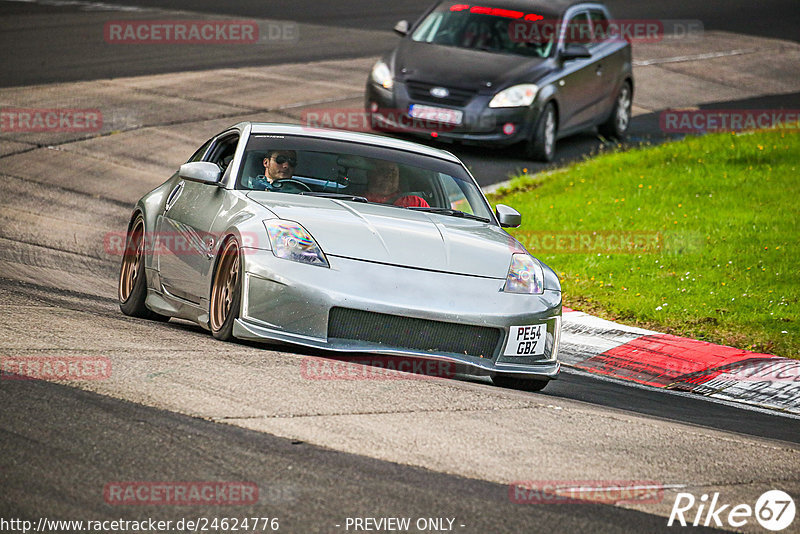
(526, 340)
(431, 113)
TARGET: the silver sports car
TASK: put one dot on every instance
(346, 242)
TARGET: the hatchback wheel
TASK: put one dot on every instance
(617, 124)
(542, 144)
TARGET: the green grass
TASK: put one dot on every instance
(725, 208)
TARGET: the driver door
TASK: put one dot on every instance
(186, 251)
(578, 83)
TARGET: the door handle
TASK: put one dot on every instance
(599, 70)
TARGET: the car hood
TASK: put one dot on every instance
(397, 236)
(464, 67)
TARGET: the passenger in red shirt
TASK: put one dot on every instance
(384, 187)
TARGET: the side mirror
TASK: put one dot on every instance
(200, 171)
(575, 51)
(508, 216)
(401, 28)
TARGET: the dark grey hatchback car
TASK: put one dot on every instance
(505, 72)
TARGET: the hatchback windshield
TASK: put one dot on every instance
(360, 176)
(489, 29)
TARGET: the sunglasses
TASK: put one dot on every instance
(280, 160)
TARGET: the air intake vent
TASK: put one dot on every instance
(394, 331)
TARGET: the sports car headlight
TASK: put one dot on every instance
(525, 275)
(515, 96)
(291, 241)
(382, 75)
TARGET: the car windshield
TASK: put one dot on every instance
(489, 29)
(359, 173)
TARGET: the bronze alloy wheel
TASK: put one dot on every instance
(225, 285)
(131, 261)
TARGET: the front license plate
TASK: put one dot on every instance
(431, 113)
(526, 340)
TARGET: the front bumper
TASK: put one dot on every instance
(291, 302)
(481, 124)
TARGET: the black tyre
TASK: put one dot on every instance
(226, 291)
(617, 124)
(524, 384)
(542, 144)
(132, 287)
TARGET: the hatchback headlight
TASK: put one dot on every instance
(291, 241)
(382, 75)
(515, 96)
(525, 275)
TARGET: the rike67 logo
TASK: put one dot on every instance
(774, 510)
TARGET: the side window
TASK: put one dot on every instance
(198, 156)
(223, 151)
(578, 30)
(455, 195)
(600, 27)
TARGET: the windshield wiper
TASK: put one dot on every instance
(341, 196)
(448, 211)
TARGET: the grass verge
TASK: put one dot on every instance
(696, 237)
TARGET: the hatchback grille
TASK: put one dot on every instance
(422, 91)
(398, 332)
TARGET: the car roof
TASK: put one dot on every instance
(277, 128)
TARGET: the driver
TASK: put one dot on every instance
(279, 165)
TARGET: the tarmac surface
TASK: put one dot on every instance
(180, 405)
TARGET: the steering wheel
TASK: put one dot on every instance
(291, 181)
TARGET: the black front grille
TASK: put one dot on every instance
(394, 331)
(422, 91)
